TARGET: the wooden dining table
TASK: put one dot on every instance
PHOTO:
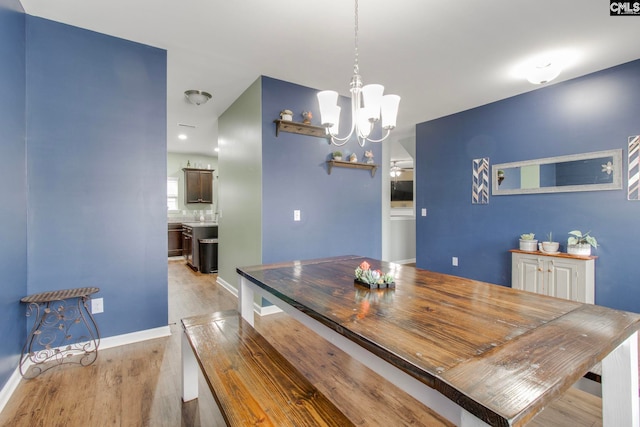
(477, 353)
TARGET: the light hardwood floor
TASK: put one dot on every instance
(139, 384)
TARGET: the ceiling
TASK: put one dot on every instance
(441, 57)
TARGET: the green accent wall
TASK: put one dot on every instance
(240, 190)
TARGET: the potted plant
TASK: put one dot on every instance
(580, 244)
(549, 246)
(286, 115)
(528, 242)
(337, 155)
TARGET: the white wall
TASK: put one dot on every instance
(402, 244)
(398, 232)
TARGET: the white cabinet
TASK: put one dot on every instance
(562, 275)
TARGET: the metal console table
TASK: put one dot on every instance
(64, 331)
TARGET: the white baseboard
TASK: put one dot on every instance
(133, 337)
(14, 380)
(265, 311)
(234, 291)
(9, 388)
(405, 261)
(262, 311)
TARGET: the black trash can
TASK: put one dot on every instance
(208, 255)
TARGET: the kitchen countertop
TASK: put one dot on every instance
(201, 224)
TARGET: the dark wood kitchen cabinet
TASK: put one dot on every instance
(175, 239)
(198, 185)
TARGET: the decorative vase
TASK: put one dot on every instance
(581, 249)
(528, 245)
(550, 247)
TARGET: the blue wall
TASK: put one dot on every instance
(592, 113)
(96, 162)
(13, 209)
(340, 213)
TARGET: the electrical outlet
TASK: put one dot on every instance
(454, 261)
(424, 211)
(97, 305)
(296, 215)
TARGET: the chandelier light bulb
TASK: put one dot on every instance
(372, 99)
(389, 107)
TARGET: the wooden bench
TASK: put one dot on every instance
(251, 382)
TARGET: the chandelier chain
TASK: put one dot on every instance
(355, 65)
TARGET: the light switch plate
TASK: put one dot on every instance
(424, 211)
(97, 306)
(296, 215)
(454, 261)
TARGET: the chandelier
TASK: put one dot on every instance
(368, 104)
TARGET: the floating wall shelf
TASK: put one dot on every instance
(300, 128)
(353, 165)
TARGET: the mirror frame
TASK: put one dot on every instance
(615, 185)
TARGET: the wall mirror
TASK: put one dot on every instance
(601, 170)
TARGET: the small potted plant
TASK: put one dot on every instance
(286, 115)
(580, 244)
(549, 246)
(337, 155)
(528, 242)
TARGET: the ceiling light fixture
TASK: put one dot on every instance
(543, 73)
(197, 97)
(395, 171)
(367, 105)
